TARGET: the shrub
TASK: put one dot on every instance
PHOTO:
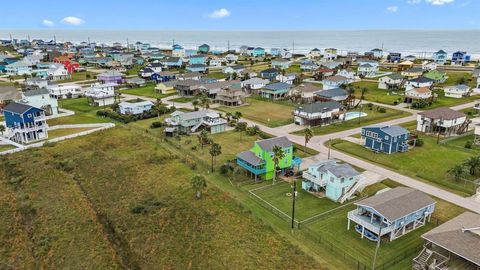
(156, 124)
(66, 165)
(369, 105)
(468, 145)
(382, 110)
(395, 102)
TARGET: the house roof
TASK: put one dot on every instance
(339, 170)
(269, 70)
(441, 52)
(395, 130)
(420, 90)
(332, 93)
(460, 235)
(308, 88)
(398, 202)
(422, 79)
(395, 76)
(278, 86)
(18, 108)
(256, 80)
(319, 107)
(187, 82)
(336, 78)
(250, 157)
(444, 113)
(36, 92)
(414, 70)
(268, 144)
(461, 87)
(9, 93)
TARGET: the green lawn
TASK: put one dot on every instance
(84, 113)
(264, 112)
(5, 147)
(373, 117)
(428, 163)
(306, 205)
(80, 76)
(455, 76)
(295, 68)
(183, 99)
(377, 95)
(145, 91)
(216, 75)
(134, 70)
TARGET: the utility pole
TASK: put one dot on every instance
(228, 46)
(293, 202)
(378, 246)
(329, 147)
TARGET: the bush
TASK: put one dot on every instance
(469, 144)
(369, 105)
(382, 110)
(226, 168)
(156, 124)
(395, 102)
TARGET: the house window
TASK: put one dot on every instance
(29, 115)
(387, 138)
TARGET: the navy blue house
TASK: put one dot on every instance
(388, 139)
(25, 123)
(164, 76)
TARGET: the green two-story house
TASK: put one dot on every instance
(259, 160)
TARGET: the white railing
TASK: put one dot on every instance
(360, 182)
(366, 223)
(308, 176)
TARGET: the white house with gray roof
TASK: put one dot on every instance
(190, 122)
(391, 213)
(457, 91)
(40, 98)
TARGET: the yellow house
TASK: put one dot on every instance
(404, 65)
(166, 87)
(413, 72)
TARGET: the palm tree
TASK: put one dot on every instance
(199, 183)
(195, 104)
(215, 150)
(203, 137)
(308, 135)
(228, 115)
(278, 154)
(205, 102)
(255, 130)
(457, 172)
(363, 91)
(2, 129)
(237, 115)
(241, 127)
(473, 164)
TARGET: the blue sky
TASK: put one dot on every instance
(241, 15)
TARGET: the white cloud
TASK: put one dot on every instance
(433, 2)
(220, 13)
(439, 2)
(72, 20)
(48, 23)
(392, 9)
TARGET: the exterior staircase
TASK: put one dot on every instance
(421, 261)
(360, 183)
(194, 128)
(464, 127)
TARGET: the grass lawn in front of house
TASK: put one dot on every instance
(84, 113)
(378, 95)
(145, 91)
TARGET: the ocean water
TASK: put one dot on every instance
(416, 42)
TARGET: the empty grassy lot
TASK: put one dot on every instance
(377, 95)
(268, 113)
(118, 199)
(145, 91)
(84, 113)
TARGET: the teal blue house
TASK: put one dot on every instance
(339, 181)
(258, 51)
(197, 59)
(204, 48)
